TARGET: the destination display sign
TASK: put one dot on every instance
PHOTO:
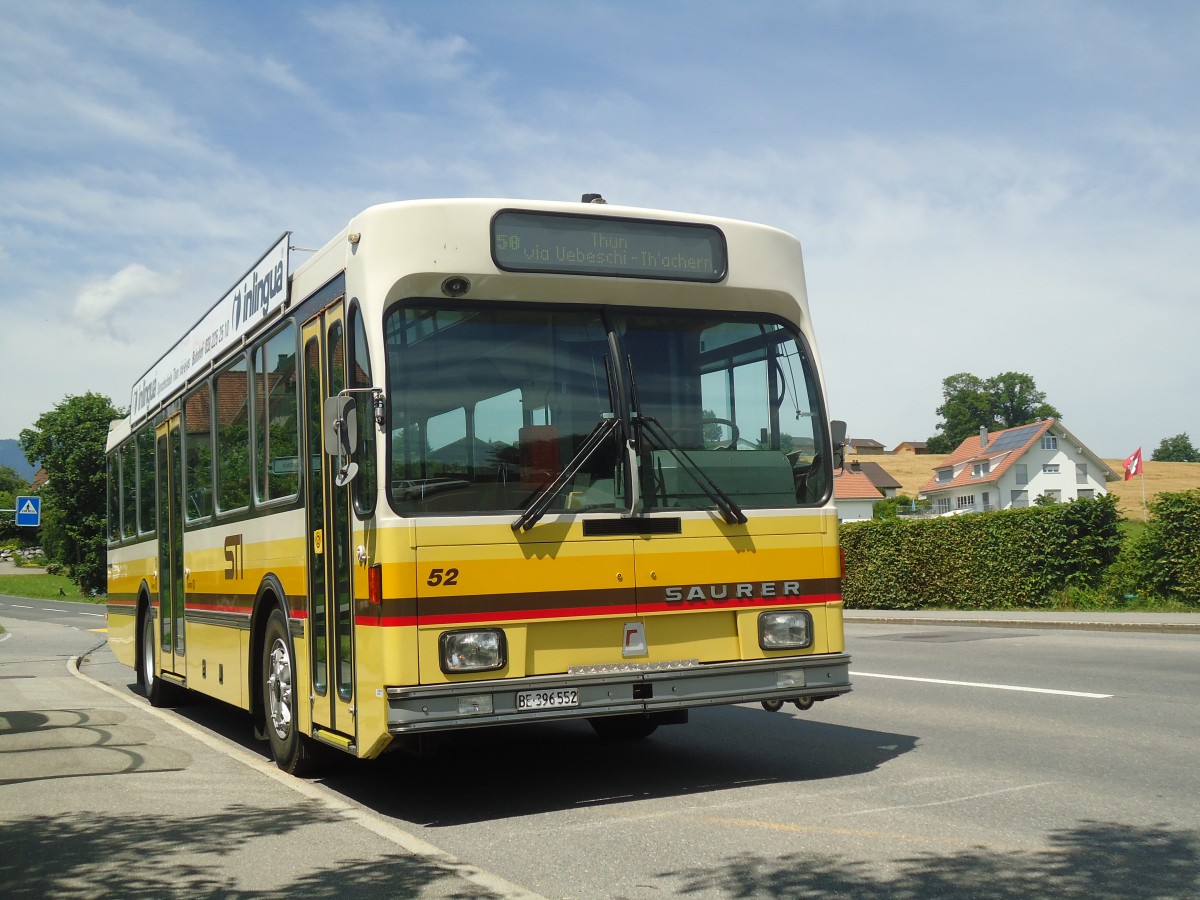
(260, 291)
(599, 245)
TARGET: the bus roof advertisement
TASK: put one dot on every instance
(262, 290)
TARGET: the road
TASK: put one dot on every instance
(85, 616)
(969, 761)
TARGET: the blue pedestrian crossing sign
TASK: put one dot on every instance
(29, 511)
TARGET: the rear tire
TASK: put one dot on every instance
(624, 728)
(293, 752)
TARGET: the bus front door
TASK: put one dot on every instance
(169, 453)
(330, 590)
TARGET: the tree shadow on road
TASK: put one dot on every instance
(1093, 860)
(160, 855)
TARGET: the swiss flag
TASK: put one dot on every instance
(1133, 464)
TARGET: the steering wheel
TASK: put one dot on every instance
(717, 420)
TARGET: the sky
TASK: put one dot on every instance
(979, 187)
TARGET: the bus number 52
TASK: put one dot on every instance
(442, 577)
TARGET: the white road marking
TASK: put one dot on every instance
(978, 684)
(968, 797)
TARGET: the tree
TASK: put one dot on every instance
(1176, 449)
(11, 486)
(1002, 401)
(68, 442)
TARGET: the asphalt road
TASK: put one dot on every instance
(969, 761)
(84, 616)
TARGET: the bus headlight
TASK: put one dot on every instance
(785, 630)
(473, 651)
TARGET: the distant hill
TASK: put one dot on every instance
(11, 456)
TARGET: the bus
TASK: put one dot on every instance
(485, 462)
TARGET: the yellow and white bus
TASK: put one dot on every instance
(481, 462)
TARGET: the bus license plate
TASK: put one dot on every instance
(547, 699)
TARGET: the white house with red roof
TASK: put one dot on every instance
(1012, 468)
(854, 495)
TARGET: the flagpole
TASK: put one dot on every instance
(1134, 466)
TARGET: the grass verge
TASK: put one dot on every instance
(44, 587)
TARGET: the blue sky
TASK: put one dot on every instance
(979, 187)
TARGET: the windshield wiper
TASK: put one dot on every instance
(730, 511)
(542, 499)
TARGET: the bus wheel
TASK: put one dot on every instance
(803, 703)
(157, 691)
(290, 749)
(772, 705)
(624, 728)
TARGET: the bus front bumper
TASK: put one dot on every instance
(619, 689)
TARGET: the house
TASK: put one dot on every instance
(879, 476)
(1014, 467)
(854, 495)
(910, 448)
(864, 446)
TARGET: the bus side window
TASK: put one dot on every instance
(197, 449)
(360, 377)
(145, 452)
(276, 429)
(114, 498)
(129, 490)
(233, 437)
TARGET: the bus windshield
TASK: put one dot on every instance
(487, 405)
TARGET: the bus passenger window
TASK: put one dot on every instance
(276, 430)
(114, 498)
(129, 490)
(145, 452)
(233, 438)
(360, 377)
(197, 449)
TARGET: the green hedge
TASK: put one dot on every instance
(998, 560)
(1163, 559)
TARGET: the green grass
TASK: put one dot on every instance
(1086, 600)
(44, 587)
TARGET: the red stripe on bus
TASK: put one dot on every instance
(706, 605)
(678, 606)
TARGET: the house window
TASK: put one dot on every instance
(981, 468)
(1050, 469)
(1049, 442)
(1019, 499)
(945, 475)
(967, 501)
(943, 504)
(1081, 473)
(1056, 496)
(1022, 473)
(1086, 494)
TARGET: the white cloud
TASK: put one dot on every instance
(100, 302)
(377, 41)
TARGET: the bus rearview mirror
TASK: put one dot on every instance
(341, 426)
(837, 431)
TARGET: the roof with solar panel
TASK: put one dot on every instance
(983, 458)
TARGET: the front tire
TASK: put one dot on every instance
(158, 692)
(293, 752)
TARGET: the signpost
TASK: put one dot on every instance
(28, 510)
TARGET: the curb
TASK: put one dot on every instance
(493, 886)
(1048, 624)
